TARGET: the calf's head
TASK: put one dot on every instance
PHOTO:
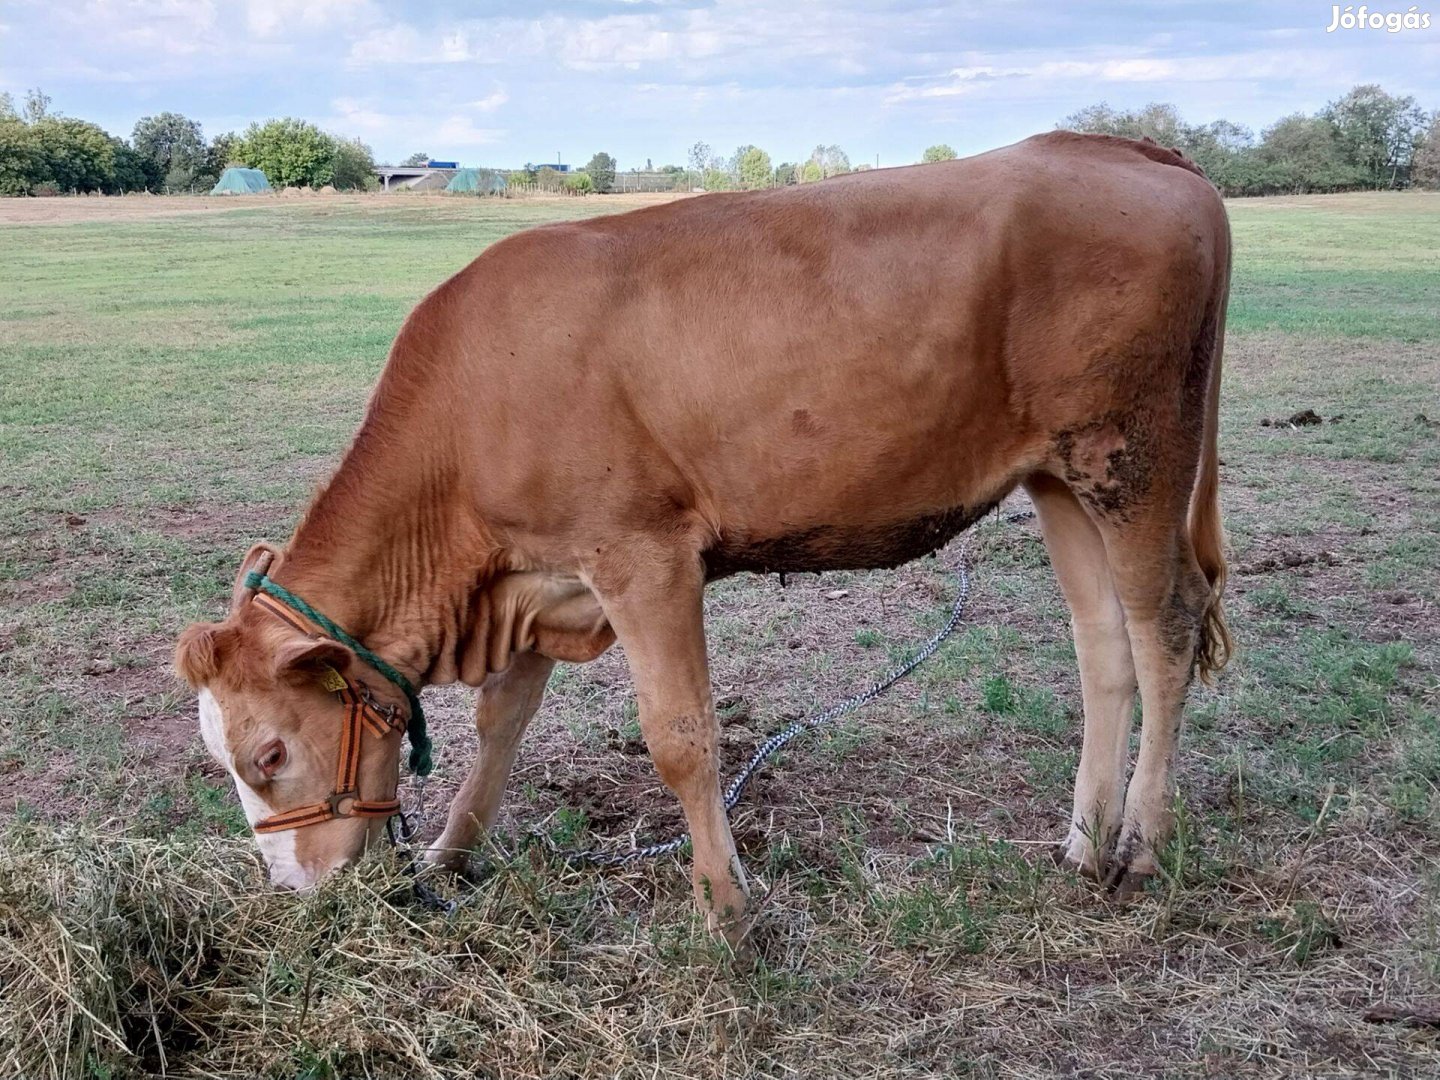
(270, 716)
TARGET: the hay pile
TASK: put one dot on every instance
(124, 957)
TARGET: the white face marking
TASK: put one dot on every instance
(212, 728)
(277, 848)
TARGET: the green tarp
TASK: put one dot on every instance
(235, 181)
(477, 182)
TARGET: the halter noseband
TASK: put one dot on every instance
(361, 711)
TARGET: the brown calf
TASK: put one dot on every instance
(592, 420)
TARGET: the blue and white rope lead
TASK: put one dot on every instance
(771, 746)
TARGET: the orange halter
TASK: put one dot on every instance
(361, 711)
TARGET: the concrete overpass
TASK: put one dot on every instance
(413, 177)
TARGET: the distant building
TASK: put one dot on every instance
(442, 164)
(557, 167)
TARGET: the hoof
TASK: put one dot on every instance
(1127, 885)
(733, 930)
(1132, 867)
(742, 947)
(445, 858)
(1063, 855)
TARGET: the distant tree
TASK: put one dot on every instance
(547, 178)
(1425, 171)
(1159, 121)
(1302, 153)
(732, 163)
(832, 160)
(786, 173)
(290, 152)
(7, 106)
(754, 169)
(601, 171)
(352, 168)
(938, 152)
(1098, 119)
(172, 149)
(415, 160)
(717, 179)
(22, 165)
(519, 176)
(1378, 132)
(78, 155)
(37, 105)
(581, 183)
(811, 171)
(129, 172)
(701, 157)
(221, 152)
(1224, 150)
(217, 158)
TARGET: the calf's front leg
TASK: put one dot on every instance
(660, 624)
(507, 702)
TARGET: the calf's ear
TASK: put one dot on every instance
(301, 660)
(199, 652)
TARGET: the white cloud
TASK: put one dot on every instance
(813, 37)
(442, 131)
(172, 27)
(490, 102)
(394, 44)
(1049, 75)
(272, 18)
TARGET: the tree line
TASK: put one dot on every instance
(1366, 139)
(43, 153)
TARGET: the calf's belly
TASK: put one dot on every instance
(815, 548)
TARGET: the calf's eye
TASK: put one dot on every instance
(271, 758)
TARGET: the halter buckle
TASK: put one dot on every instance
(338, 801)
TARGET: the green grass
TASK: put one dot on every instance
(1362, 267)
(174, 386)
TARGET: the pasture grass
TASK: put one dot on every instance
(175, 383)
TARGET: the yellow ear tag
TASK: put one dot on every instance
(332, 680)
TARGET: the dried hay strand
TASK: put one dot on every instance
(125, 956)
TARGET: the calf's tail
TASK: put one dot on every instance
(1207, 531)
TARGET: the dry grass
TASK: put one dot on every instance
(69, 210)
(132, 956)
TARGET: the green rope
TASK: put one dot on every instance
(420, 758)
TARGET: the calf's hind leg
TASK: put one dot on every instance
(1107, 672)
(1165, 595)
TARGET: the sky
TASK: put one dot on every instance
(502, 84)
